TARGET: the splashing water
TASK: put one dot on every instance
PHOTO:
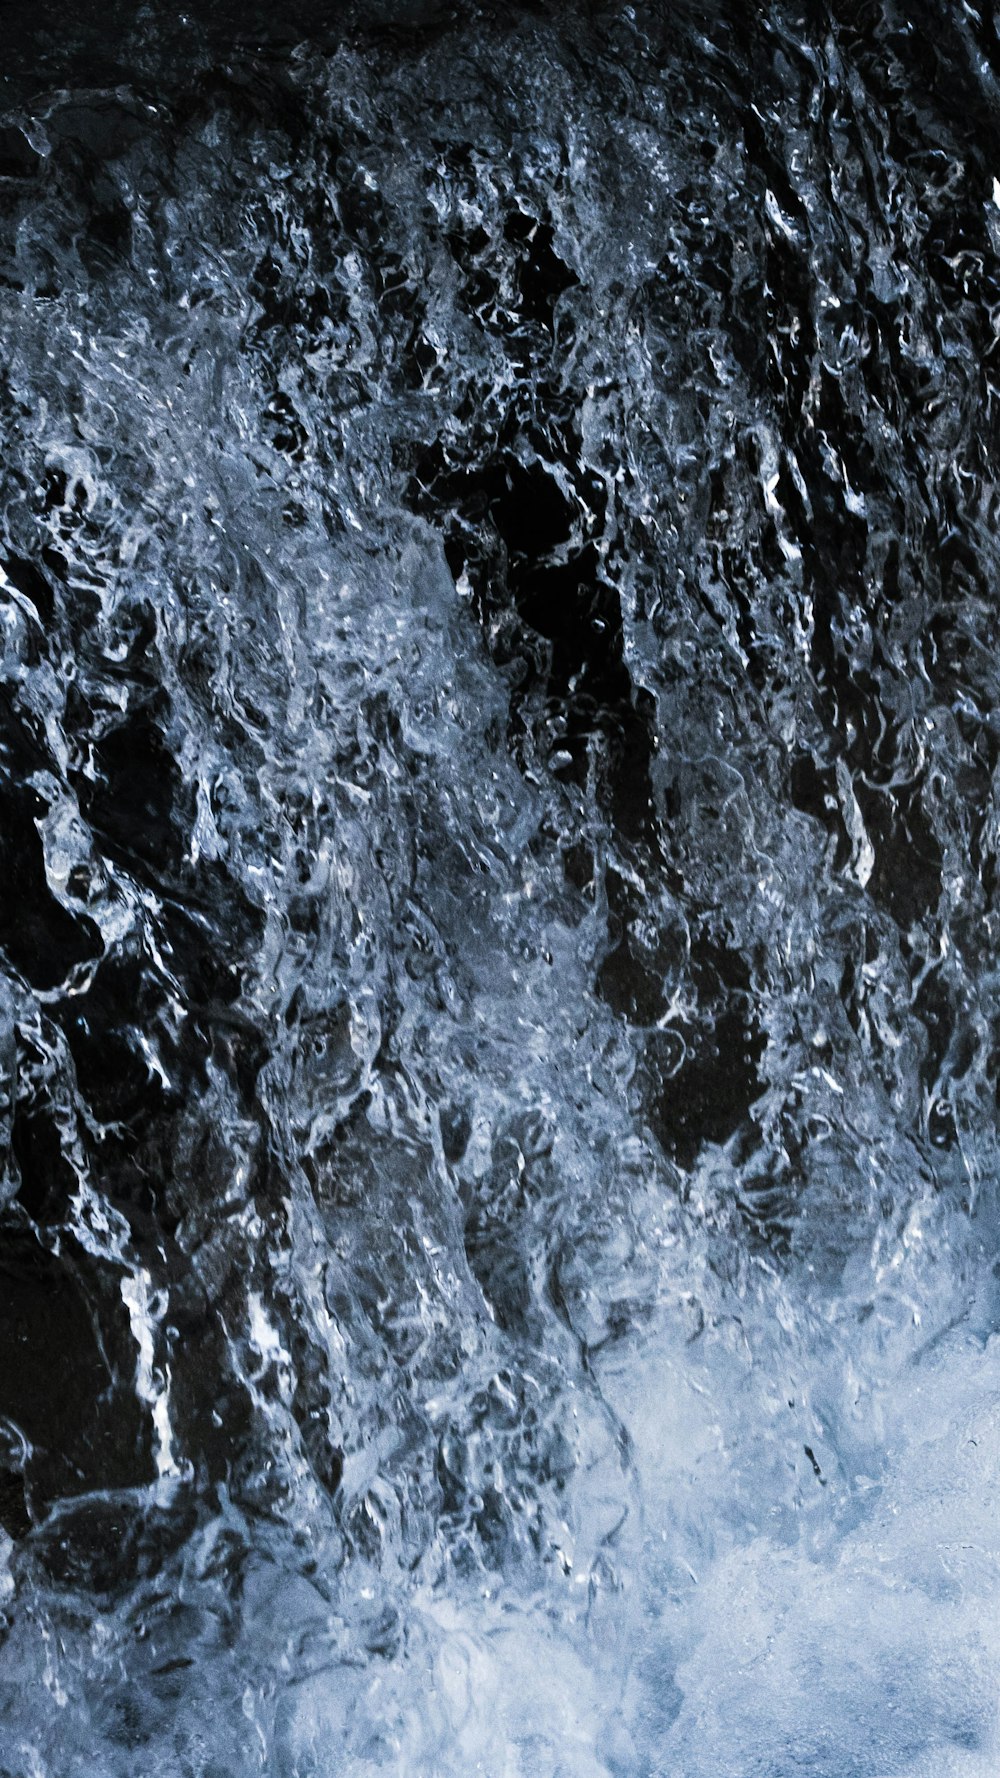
(499, 912)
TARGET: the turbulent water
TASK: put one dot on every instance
(500, 895)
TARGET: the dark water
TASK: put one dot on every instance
(499, 892)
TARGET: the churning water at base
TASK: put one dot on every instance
(499, 904)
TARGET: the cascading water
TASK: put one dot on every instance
(499, 894)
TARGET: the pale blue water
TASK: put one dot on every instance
(499, 931)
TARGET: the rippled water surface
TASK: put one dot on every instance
(499, 893)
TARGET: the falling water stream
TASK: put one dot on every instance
(500, 893)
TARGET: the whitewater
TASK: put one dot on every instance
(499, 903)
